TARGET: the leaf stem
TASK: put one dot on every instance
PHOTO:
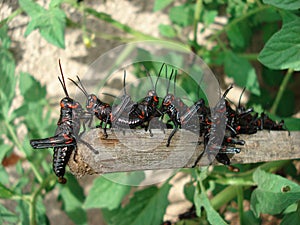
(33, 198)
(107, 18)
(237, 20)
(221, 44)
(198, 10)
(11, 16)
(231, 192)
(298, 208)
(21, 148)
(249, 56)
(240, 199)
(274, 165)
(32, 212)
(281, 90)
(223, 197)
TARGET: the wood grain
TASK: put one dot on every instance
(135, 150)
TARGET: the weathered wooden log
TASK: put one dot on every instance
(134, 150)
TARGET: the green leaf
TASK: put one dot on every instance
(282, 51)
(5, 192)
(4, 150)
(31, 89)
(272, 77)
(239, 35)
(146, 207)
(268, 31)
(189, 191)
(7, 74)
(209, 17)
(160, 5)
(7, 217)
(241, 71)
(292, 207)
(21, 111)
(4, 176)
(201, 200)
(51, 26)
(250, 219)
(190, 222)
(167, 30)
(182, 15)
(112, 193)
(268, 15)
(284, 4)
(38, 124)
(291, 218)
(273, 194)
(106, 194)
(292, 123)
(41, 215)
(30, 7)
(23, 212)
(5, 40)
(287, 16)
(237, 8)
(109, 215)
(20, 171)
(73, 197)
(51, 23)
(55, 3)
(286, 105)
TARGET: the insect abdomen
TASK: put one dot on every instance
(61, 157)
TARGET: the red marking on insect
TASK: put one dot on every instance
(72, 106)
(142, 116)
(68, 139)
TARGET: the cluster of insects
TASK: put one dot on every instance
(142, 114)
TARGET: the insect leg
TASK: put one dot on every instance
(55, 141)
(88, 145)
(172, 133)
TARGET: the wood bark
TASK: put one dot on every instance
(134, 150)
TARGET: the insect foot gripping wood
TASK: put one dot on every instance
(64, 142)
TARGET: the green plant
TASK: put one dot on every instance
(259, 38)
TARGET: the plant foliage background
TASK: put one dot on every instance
(258, 47)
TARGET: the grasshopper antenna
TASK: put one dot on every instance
(175, 82)
(239, 105)
(227, 90)
(161, 68)
(148, 75)
(62, 81)
(110, 95)
(81, 87)
(124, 82)
(170, 80)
